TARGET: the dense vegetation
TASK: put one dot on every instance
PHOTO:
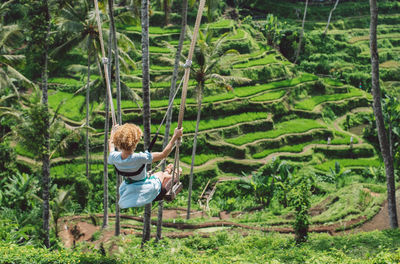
(282, 146)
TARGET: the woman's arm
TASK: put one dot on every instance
(157, 156)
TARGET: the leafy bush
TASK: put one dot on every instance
(11, 253)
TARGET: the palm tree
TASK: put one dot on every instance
(171, 94)
(146, 102)
(206, 63)
(383, 140)
(46, 146)
(10, 35)
(301, 33)
(78, 21)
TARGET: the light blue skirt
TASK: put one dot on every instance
(140, 193)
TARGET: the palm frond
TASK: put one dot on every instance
(11, 59)
(67, 46)
(16, 74)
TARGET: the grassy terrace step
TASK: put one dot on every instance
(311, 103)
(153, 49)
(71, 104)
(223, 23)
(292, 126)
(200, 158)
(348, 163)
(263, 61)
(244, 91)
(332, 82)
(207, 124)
(289, 148)
(269, 96)
(252, 90)
(366, 37)
(154, 30)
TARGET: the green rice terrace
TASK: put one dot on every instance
(285, 142)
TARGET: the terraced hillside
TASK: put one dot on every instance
(283, 112)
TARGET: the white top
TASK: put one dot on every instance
(131, 163)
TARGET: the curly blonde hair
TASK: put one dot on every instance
(127, 136)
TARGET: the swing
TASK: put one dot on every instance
(174, 188)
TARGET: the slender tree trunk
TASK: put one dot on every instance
(330, 16)
(46, 147)
(106, 129)
(199, 101)
(301, 32)
(87, 110)
(119, 112)
(171, 94)
(146, 103)
(167, 10)
(383, 140)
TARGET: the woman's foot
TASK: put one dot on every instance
(170, 167)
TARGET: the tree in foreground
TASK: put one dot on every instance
(207, 58)
(377, 106)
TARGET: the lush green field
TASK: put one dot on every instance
(259, 62)
(311, 103)
(358, 162)
(207, 124)
(227, 246)
(252, 90)
(292, 126)
(269, 96)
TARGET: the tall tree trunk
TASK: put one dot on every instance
(146, 103)
(167, 10)
(87, 150)
(330, 16)
(171, 94)
(106, 129)
(119, 112)
(383, 140)
(301, 32)
(105, 164)
(46, 147)
(199, 101)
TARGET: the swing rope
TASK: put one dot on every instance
(105, 63)
(171, 193)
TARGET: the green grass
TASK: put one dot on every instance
(70, 107)
(366, 37)
(292, 126)
(199, 159)
(161, 68)
(333, 82)
(240, 34)
(61, 170)
(311, 103)
(342, 139)
(155, 84)
(153, 49)
(223, 23)
(154, 30)
(263, 61)
(66, 81)
(288, 148)
(207, 124)
(362, 162)
(252, 90)
(20, 150)
(269, 96)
